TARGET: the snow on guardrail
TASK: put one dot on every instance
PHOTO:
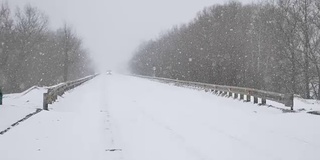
(58, 90)
(231, 91)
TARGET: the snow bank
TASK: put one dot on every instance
(17, 106)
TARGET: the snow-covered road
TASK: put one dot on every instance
(121, 117)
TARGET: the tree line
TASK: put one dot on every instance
(272, 45)
(33, 54)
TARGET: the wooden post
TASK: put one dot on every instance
(289, 100)
(230, 94)
(224, 93)
(248, 98)
(263, 101)
(241, 97)
(255, 100)
(235, 96)
(45, 103)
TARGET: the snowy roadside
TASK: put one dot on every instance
(78, 126)
(300, 104)
(307, 105)
(17, 106)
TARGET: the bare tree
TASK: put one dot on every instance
(70, 45)
(31, 28)
(6, 32)
(32, 54)
(6, 41)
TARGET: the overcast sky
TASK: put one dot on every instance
(112, 29)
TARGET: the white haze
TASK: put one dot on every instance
(112, 29)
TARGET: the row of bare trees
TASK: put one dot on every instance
(33, 54)
(272, 45)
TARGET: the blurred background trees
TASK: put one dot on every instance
(272, 45)
(33, 54)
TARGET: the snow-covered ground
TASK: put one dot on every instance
(17, 106)
(123, 117)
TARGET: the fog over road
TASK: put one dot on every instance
(112, 30)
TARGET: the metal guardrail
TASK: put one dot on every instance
(51, 96)
(235, 92)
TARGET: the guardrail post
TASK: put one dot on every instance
(45, 103)
(248, 98)
(263, 101)
(235, 96)
(289, 100)
(230, 94)
(255, 100)
(224, 93)
(241, 97)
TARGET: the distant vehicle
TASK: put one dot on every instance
(109, 72)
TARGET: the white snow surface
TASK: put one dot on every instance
(121, 117)
(17, 106)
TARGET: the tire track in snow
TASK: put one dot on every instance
(112, 148)
(243, 142)
(177, 137)
(181, 140)
(19, 121)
